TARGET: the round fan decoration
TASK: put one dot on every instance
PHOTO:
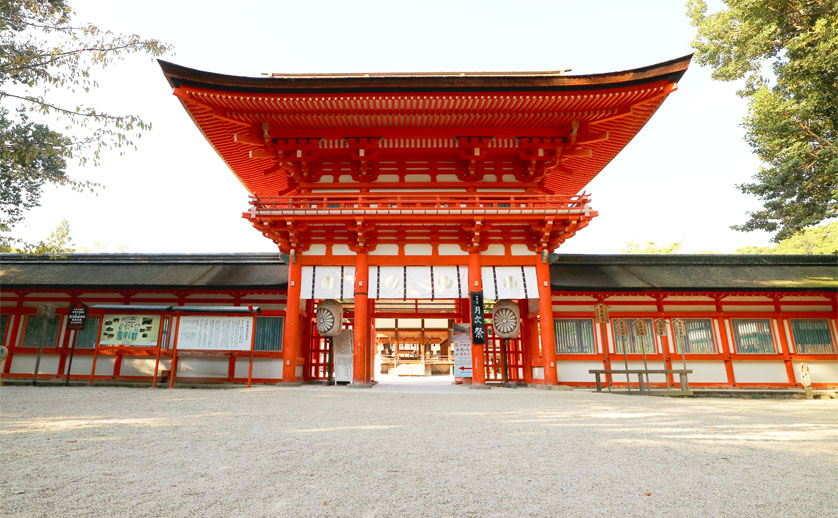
(506, 319)
(325, 320)
(329, 316)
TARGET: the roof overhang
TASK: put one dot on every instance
(578, 123)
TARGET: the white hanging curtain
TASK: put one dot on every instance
(327, 282)
(418, 282)
(509, 282)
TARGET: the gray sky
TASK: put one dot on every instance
(675, 181)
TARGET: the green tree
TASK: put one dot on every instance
(57, 244)
(632, 247)
(42, 51)
(822, 239)
(786, 51)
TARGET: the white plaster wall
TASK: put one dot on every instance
(576, 370)
(446, 178)
(385, 249)
(25, 364)
(418, 249)
(494, 250)
(819, 372)
(318, 249)
(520, 250)
(538, 373)
(262, 367)
(760, 372)
(202, 367)
(617, 363)
(703, 372)
(424, 178)
(140, 366)
(341, 249)
(767, 308)
(675, 309)
(83, 364)
(449, 249)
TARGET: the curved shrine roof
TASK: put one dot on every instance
(589, 118)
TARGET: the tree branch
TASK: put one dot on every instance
(34, 100)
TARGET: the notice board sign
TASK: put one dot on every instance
(461, 349)
(77, 316)
(130, 330)
(215, 333)
(478, 323)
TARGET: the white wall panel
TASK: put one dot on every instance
(25, 364)
(576, 371)
(760, 372)
(202, 368)
(819, 372)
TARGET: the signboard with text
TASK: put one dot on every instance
(77, 316)
(130, 330)
(461, 350)
(478, 323)
(215, 333)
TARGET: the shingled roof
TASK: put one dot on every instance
(149, 271)
(567, 272)
(693, 272)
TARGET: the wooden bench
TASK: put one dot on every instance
(643, 386)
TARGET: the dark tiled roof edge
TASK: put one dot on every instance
(694, 259)
(231, 258)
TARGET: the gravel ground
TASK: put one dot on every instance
(411, 450)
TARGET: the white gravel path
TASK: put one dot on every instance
(405, 450)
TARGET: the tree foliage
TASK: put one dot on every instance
(57, 244)
(786, 51)
(44, 56)
(632, 247)
(822, 239)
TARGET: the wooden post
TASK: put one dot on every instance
(361, 321)
(173, 361)
(72, 353)
(291, 334)
(330, 376)
(475, 283)
(252, 346)
(545, 313)
(504, 346)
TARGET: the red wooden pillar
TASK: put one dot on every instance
(475, 283)
(545, 314)
(726, 351)
(291, 334)
(361, 324)
(527, 341)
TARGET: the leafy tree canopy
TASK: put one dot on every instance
(822, 239)
(786, 51)
(632, 247)
(42, 51)
(57, 244)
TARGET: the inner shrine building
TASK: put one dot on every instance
(418, 206)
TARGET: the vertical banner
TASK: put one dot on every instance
(461, 350)
(478, 324)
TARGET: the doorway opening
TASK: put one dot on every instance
(410, 341)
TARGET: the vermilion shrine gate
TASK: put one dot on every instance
(420, 187)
